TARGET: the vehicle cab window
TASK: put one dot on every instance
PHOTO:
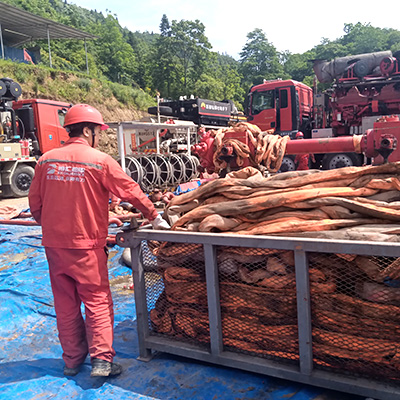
(61, 115)
(262, 101)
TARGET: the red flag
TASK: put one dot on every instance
(27, 57)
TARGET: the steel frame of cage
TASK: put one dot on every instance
(305, 371)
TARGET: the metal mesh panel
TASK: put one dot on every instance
(355, 305)
(355, 319)
(258, 302)
(352, 331)
(176, 292)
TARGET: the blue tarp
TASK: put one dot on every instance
(187, 187)
(30, 354)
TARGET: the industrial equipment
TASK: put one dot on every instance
(28, 129)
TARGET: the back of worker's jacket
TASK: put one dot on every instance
(70, 192)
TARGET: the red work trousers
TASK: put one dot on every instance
(81, 276)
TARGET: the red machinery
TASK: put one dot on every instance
(355, 97)
(366, 86)
(380, 144)
(28, 128)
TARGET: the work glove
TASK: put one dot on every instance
(159, 223)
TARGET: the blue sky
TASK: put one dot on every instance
(291, 25)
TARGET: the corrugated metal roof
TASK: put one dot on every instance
(19, 26)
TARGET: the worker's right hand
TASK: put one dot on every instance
(160, 223)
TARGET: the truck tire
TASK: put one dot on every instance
(340, 160)
(164, 110)
(287, 164)
(21, 180)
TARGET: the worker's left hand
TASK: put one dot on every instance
(160, 223)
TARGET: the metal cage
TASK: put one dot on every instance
(321, 312)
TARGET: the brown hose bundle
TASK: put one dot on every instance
(355, 299)
(269, 148)
(312, 201)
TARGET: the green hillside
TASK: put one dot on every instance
(116, 102)
(112, 99)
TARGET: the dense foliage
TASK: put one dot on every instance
(179, 59)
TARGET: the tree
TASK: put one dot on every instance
(327, 50)
(299, 66)
(190, 47)
(363, 38)
(179, 61)
(226, 69)
(393, 40)
(180, 57)
(208, 87)
(165, 27)
(115, 57)
(163, 61)
(142, 45)
(259, 59)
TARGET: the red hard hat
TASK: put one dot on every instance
(299, 134)
(84, 113)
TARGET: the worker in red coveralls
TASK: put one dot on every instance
(69, 197)
(301, 160)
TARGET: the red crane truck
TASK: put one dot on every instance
(28, 128)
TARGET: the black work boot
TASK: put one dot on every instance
(72, 371)
(104, 368)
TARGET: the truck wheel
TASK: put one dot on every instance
(287, 164)
(340, 160)
(21, 180)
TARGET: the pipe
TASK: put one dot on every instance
(1, 42)
(87, 62)
(120, 143)
(116, 221)
(18, 222)
(188, 142)
(227, 150)
(328, 71)
(48, 42)
(343, 144)
(362, 111)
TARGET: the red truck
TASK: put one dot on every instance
(28, 128)
(284, 106)
(365, 87)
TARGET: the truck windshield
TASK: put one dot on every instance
(262, 101)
